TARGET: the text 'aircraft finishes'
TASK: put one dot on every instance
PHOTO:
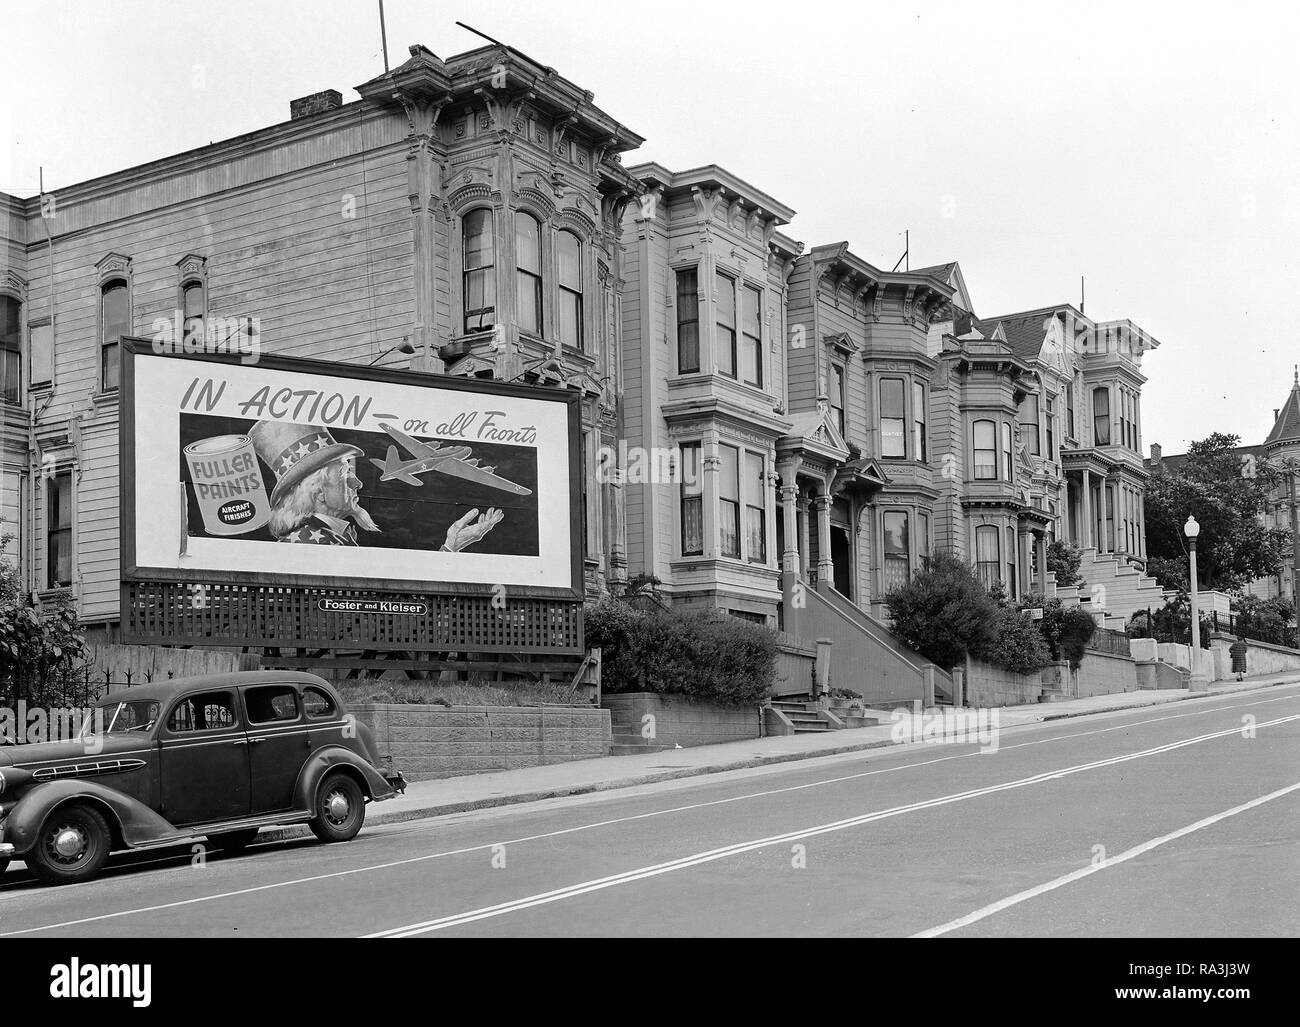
(431, 456)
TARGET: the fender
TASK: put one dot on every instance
(135, 822)
(328, 758)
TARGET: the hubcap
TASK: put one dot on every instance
(337, 807)
(68, 843)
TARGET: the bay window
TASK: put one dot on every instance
(729, 500)
(528, 272)
(751, 353)
(1029, 424)
(1008, 452)
(897, 552)
(893, 419)
(1101, 416)
(755, 508)
(986, 454)
(987, 558)
(918, 422)
(688, 321)
(725, 334)
(478, 283)
(692, 497)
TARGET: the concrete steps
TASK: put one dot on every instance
(1117, 589)
(798, 717)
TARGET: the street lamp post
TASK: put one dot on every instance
(1197, 682)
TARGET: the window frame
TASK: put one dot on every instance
(687, 314)
(901, 419)
(837, 391)
(977, 449)
(920, 441)
(891, 579)
(735, 502)
(487, 271)
(569, 294)
(535, 281)
(1101, 419)
(722, 332)
(1025, 423)
(759, 493)
(11, 391)
(114, 345)
(747, 339)
(691, 494)
(1009, 451)
(981, 566)
(55, 528)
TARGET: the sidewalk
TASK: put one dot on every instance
(500, 788)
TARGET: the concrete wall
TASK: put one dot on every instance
(679, 720)
(429, 742)
(1104, 673)
(1261, 658)
(987, 685)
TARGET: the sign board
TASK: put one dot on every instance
(299, 473)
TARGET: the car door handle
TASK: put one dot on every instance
(256, 741)
(240, 741)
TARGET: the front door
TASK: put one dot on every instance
(841, 554)
(203, 759)
(277, 744)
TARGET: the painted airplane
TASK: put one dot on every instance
(431, 456)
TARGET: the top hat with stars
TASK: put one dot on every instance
(293, 451)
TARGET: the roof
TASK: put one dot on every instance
(163, 690)
(1287, 426)
(1024, 331)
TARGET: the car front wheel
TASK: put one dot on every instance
(340, 808)
(71, 846)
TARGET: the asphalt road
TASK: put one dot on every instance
(1179, 820)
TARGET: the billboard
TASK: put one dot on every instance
(306, 473)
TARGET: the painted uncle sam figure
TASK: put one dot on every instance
(315, 500)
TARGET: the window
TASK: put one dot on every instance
(726, 320)
(688, 321)
(729, 500)
(897, 553)
(528, 272)
(692, 501)
(837, 397)
(893, 420)
(923, 539)
(40, 342)
(478, 260)
(11, 350)
(1101, 417)
(755, 508)
(317, 704)
(1069, 411)
(271, 703)
(210, 711)
(193, 309)
(1011, 563)
(1051, 428)
(986, 453)
(751, 354)
(115, 321)
(58, 527)
(918, 421)
(1029, 424)
(1008, 452)
(568, 251)
(986, 554)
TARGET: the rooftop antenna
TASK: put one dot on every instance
(1081, 295)
(907, 250)
(383, 34)
(478, 33)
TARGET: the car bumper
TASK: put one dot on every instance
(6, 851)
(395, 780)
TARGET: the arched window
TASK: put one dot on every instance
(114, 323)
(568, 253)
(986, 554)
(1101, 416)
(194, 308)
(528, 272)
(478, 260)
(986, 451)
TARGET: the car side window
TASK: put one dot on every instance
(318, 704)
(268, 704)
(208, 711)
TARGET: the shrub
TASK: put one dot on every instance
(1019, 646)
(41, 651)
(945, 613)
(702, 654)
(1067, 632)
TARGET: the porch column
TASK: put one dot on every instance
(712, 467)
(804, 548)
(1026, 540)
(1085, 537)
(1107, 527)
(790, 516)
(825, 565)
(1041, 542)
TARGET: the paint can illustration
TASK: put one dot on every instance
(227, 483)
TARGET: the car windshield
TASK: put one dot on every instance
(120, 717)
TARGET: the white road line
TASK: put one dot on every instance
(607, 823)
(657, 869)
(1123, 857)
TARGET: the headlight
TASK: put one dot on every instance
(11, 780)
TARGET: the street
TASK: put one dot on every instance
(1180, 820)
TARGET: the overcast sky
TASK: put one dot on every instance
(1152, 147)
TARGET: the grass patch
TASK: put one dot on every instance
(465, 693)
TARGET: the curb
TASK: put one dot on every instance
(558, 792)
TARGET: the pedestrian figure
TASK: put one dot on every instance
(1238, 653)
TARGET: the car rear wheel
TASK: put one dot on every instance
(340, 808)
(71, 845)
(234, 841)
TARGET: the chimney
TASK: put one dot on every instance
(1155, 454)
(317, 103)
(1275, 413)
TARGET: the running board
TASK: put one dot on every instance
(221, 827)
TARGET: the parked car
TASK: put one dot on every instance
(218, 757)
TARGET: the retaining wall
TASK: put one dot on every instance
(428, 742)
(679, 720)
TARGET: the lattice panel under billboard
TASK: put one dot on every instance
(261, 615)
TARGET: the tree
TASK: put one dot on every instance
(1063, 560)
(945, 612)
(1226, 495)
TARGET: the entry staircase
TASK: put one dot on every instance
(1111, 590)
